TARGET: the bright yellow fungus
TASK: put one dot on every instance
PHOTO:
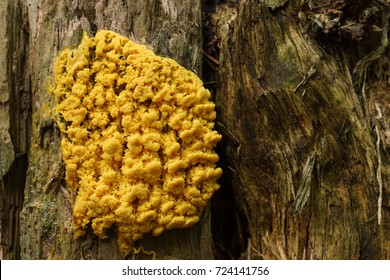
(137, 140)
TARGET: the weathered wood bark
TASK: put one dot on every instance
(308, 164)
(302, 92)
(170, 28)
(14, 124)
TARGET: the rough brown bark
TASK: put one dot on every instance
(301, 89)
(308, 169)
(170, 28)
(14, 124)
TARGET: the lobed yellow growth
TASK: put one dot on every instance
(137, 141)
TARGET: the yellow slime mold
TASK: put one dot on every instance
(137, 141)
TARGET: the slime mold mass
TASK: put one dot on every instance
(137, 139)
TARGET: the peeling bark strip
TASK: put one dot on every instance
(303, 191)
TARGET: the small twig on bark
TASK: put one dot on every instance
(304, 80)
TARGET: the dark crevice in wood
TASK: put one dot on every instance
(13, 182)
(229, 224)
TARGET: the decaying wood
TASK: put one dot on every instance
(170, 28)
(14, 124)
(302, 96)
(306, 162)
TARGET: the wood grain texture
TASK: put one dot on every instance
(14, 124)
(302, 95)
(170, 28)
(281, 99)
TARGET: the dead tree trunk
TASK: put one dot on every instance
(302, 96)
(14, 124)
(170, 28)
(301, 89)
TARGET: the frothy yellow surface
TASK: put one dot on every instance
(137, 141)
